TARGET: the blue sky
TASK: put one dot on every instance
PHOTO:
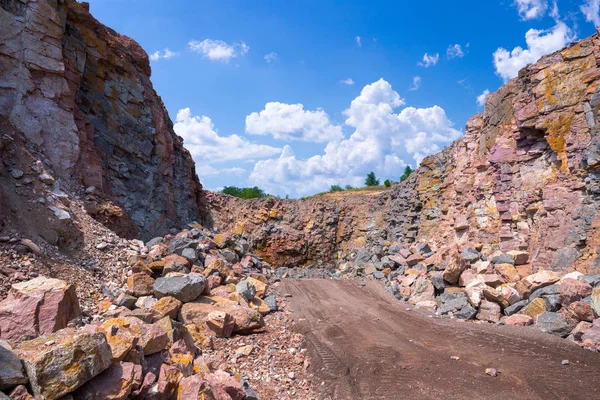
(294, 96)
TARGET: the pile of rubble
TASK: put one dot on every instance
(484, 285)
(179, 327)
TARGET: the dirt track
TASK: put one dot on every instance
(366, 345)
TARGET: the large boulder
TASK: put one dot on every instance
(125, 332)
(246, 319)
(184, 288)
(541, 279)
(11, 369)
(116, 383)
(37, 307)
(488, 311)
(422, 291)
(454, 265)
(59, 363)
(140, 284)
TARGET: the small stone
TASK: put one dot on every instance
(491, 372)
(565, 362)
(17, 173)
(456, 358)
(47, 178)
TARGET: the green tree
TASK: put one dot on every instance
(371, 179)
(349, 187)
(336, 188)
(387, 183)
(407, 171)
(244, 193)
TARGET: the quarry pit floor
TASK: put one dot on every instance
(365, 344)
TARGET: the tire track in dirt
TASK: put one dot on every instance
(366, 345)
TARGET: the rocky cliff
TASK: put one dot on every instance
(78, 97)
(524, 177)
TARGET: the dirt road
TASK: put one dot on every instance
(366, 345)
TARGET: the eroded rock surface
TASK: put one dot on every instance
(80, 95)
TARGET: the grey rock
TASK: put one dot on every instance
(552, 302)
(545, 291)
(553, 323)
(197, 233)
(11, 369)
(467, 312)
(453, 305)
(470, 255)
(126, 300)
(503, 259)
(363, 257)
(271, 301)
(378, 275)
(184, 288)
(230, 256)
(564, 258)
(177, 245)
(246, 289)
(438, 281)
(593, 280)
(515, 308)
(190, 254)
(154, 242)
(449, 296)
(16, 173)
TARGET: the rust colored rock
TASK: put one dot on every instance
(518, 320)
(260, 286)
(224, 386)
(151, 337)
(116, 383)
(535, 308)
(246, 319)
(166, 385)
(140, 284)
(508, 272)
(572, 290)
(200, 336)
(488, 311)
(581, 311)
(175, 263)
(37, 307)
(20, 393)
(455, 266)
(220, 323)
(167, 307)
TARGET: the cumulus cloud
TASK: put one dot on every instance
(358, 41)
(207, 146)
(293, 122)
(416, 83)
(381, 138)
(429, 60)
(591, 10)
(531, 9)
(218, 50)
(481, 98)
(539, 43)
(271, 57)
(348, 81)
(166, 54)
(455, 51)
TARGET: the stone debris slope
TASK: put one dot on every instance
(171, 330)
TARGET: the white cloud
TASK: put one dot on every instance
(348, 81)
(416, 83)
(217, 50)
(166, 54)
(358, 41)
(292, 122)
(455, 51)
(481, 98)
(380, 139)
(531, 9)
(591, 10)
(539, 43)
(429, 61)
(271, 57)
(207, 146)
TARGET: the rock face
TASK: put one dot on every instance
(525, 177)
(80, 95)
